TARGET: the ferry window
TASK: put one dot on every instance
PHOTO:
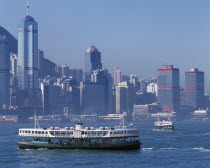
(29, 132)
(46, 132)
(111, 133)
(32, 132)
(42, 132)
(35, 132)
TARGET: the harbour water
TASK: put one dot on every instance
(187, 146)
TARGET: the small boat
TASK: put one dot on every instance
(164, 125)
(79, 137)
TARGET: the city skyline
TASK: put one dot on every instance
(178, 38)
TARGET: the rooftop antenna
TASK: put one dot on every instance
(27, 8)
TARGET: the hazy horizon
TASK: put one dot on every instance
(138, 37)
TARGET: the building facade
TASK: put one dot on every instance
(92, 61)
(4, 72)
(194, 88)
(168, 87)
(117, 76)
(28, 54)
(125, 97)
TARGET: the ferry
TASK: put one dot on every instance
(164, 125)
(80, 137)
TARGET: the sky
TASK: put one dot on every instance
(137, 36)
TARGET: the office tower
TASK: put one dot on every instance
(168, 87)
(92, 61)
(4, 72)
(92, 98)
(117, 76)
(103, 77)
(51, 97)
(194, 88)
(28, 53)
(125, 97)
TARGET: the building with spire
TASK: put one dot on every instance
(28, 53)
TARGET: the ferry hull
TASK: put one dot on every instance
(87, 146)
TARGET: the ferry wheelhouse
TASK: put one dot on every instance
(79, 137)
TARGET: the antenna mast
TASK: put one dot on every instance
(27, 8)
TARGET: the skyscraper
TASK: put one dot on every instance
(168, 87)
(28, 53)
(125, 97)
(194, 88)
(117, 76)
(4, 72)
(92, 61)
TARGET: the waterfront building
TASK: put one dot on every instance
(28, 53)
(117, 76)
(4, 72)
(194, 88)
(168, 87)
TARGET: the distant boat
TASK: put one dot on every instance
(164, 125)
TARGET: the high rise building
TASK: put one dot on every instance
(194, 88)
(4, 72)
(168, 87)
(125, 97)
(13, 71)
(92, 61)
(28, 53)
(117, 76)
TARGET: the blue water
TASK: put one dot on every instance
(187, 146)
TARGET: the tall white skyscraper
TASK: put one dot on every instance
(28, 53)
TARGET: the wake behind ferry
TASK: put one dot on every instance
(80, 137)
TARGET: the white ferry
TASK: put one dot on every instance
(79, 137)
(164, 125)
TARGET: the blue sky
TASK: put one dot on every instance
(138, 36)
